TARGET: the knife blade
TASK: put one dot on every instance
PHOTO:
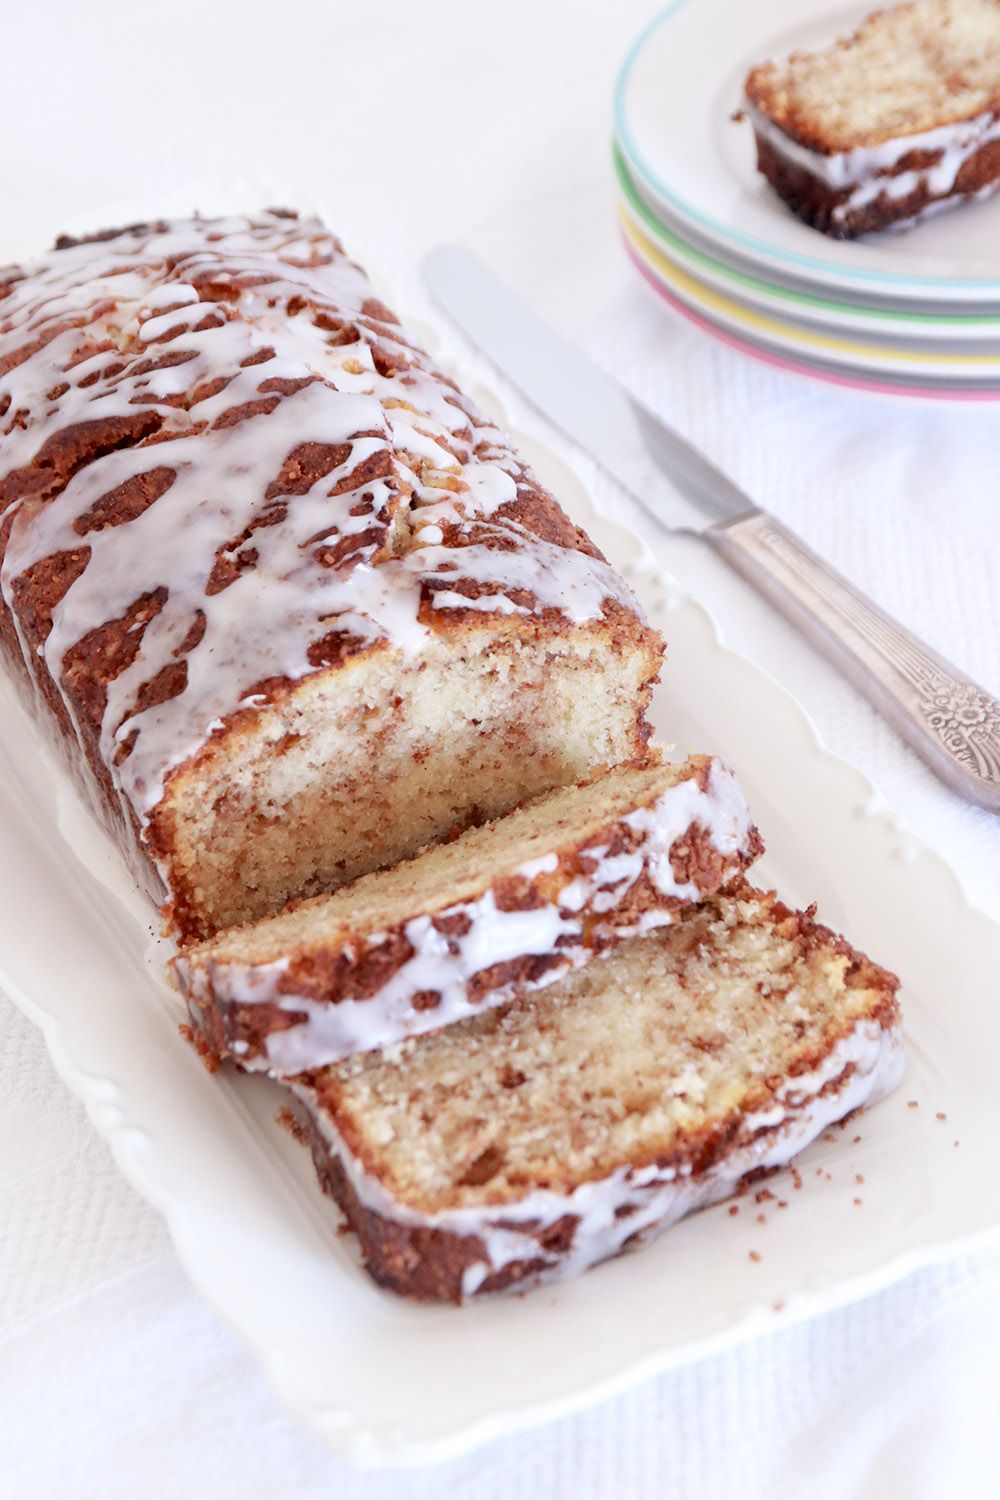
(952, 722)
(625, 438)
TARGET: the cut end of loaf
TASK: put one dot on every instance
(685, 1060)
(503, 909)
(739, 990)
(357, 769)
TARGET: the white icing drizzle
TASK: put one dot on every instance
(211, 296)
(440, 964)
(870, 171)
(645, 1200)
(446, 965)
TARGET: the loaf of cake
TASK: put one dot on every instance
(294, 604)
(537, 1139)
(504, 909)
(895, 122)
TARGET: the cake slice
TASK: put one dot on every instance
(505, 908)
(563, 1128)
(897, 121)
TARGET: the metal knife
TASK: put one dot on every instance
(954, 724)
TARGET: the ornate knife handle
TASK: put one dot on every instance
(952, 722)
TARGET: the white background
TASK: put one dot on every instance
(417, 124)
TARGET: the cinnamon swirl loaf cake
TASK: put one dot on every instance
(897, 121)
(537, 1139)
(503, 909)
(295, 605)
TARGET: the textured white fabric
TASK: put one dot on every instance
(489, 125)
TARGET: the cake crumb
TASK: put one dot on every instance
(912, 1104)
(856, 1141)
(734, 1209)
(859, 1178)
(940, 1115)
(754, 1255)
(201, 1045)
(858, 1202)
(796, 1178)
(289, 1121)
(762, 1218)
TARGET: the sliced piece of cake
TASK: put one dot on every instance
(887, 125)
(505, 908)
(563, 1128)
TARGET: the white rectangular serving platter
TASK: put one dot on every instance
(386, 1382)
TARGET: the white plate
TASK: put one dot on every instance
(968, 306)
(383, 1381)
(801, 365)
(961, 332)
(902, 362)
(675, 96)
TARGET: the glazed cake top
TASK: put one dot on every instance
(906, 71)
(224, 466)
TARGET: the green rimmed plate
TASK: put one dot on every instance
(891, 322)
(794, 345)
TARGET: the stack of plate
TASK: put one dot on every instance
(915, 310)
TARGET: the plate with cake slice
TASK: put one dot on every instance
(472, 973)
(825, 146)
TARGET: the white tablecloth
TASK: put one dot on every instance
(488, 125)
